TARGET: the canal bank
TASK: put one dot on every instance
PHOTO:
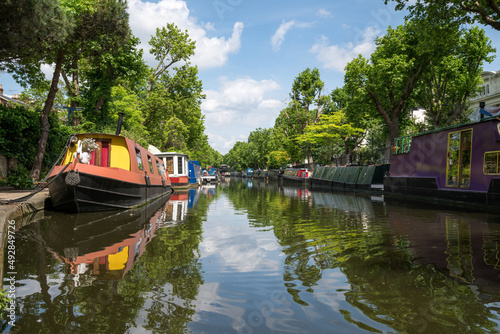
(12, 213)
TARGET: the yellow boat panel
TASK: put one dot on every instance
(119, 260)
(118, 154)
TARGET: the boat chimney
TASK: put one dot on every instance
(481, 106)
(119, 125)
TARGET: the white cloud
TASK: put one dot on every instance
(279, 35)
(323, 13)
(238, 107)
(145, 17)
(336, 57)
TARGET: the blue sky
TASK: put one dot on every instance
(249, 52)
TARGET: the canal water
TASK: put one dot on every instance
(248, 256)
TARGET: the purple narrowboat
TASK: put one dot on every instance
(458, 164)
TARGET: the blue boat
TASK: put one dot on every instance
(194, 173)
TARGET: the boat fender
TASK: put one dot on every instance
(148, 182)
(72, 178)
(163, 182)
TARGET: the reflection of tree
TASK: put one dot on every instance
(167, 274)
(385, 284)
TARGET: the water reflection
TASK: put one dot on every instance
(261, 257)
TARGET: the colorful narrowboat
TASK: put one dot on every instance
(209, 175)
(458, 164)
(106, 172)
(194, 172)
(176, 165)
(296, 174)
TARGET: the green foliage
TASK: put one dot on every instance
(19, 135)
(447, 85)
(330, 135)
(173, 109)
(485, 12)
(388, 78)
(305, 108)
(278, 159)
(32, 29)
(19, 177)
(169, 46)
(4, 300)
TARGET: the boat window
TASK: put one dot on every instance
(139, 159)
(180, 164)
(150, 161)
(161, 169)
(459, 159)
(491, 160)
(169, 164)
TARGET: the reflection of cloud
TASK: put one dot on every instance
(337, 57)
(145, 17)
(237, 249)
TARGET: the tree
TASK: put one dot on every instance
(445, 87)
(93, 21)
(31, 29)
(330, 134)
(486, 12)
(391, 74)
(305, 108)
(121, 66)
(177, 94)
(169, 46)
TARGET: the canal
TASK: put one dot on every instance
(254, 257)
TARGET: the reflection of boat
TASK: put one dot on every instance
(194, 196)
(459, 163)
(177, 207)
(103, 245)
(177, 166)
(208, 190)
(106, 172)
(464, 246)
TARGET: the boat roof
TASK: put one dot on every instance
(170, 154)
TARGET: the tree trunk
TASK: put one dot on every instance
(44, 119)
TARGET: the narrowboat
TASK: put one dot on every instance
(458, 164)
(350, 177)
(106, 172)
(296, 174)
(176, 165)
(194, 172)
(209, 175)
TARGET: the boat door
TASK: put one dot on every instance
(459, 159)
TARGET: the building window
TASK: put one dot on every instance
(490, 165)
(459, 159)
(487, 89)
